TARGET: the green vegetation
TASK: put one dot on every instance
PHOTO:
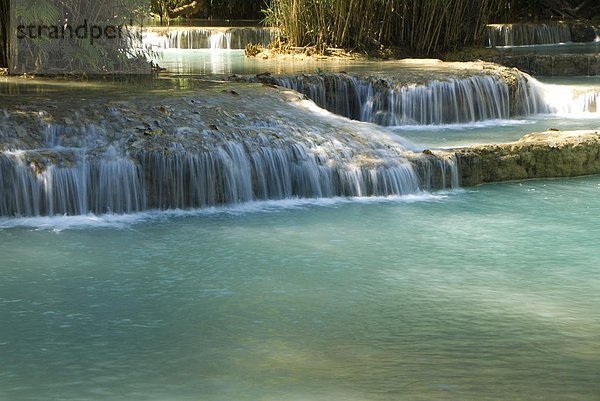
(424, 26)
(209, 9)
(44, 46)
(418, 27)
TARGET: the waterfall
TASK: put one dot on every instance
(231, 174)
(452, 101)
(527, 34)
(379, 101)
(566, 100)
(438, 172)
(209, 38)
(46, 183)
(530, 98)
(75, 181)
(476, 98)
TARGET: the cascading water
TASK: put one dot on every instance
(527, 34)
(210, 156)
(452, 101)
(206, 156)
(72, 181)
(442, 172)
(379, 101)
(232, 173)
(567, 101)
(65, 182)
(209, 38)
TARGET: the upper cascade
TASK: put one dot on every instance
(385, 101)
(382, 102)
(527, 34)
(532, 34)
(208, 38)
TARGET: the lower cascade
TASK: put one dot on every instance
(70, 181)
(231, 174)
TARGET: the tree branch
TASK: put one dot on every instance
(562, 7)
(186, 10)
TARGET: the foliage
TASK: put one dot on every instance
(215, 9)
(425, 26)
(77, 55)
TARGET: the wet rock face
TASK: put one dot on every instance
(549, 154)
(582, 33)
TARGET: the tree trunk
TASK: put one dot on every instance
(186, 10)
(4, 33)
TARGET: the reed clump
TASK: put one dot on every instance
(427, 27)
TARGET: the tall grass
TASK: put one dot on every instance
(425, 26)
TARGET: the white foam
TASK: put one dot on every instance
(462, 126)
(124, 221)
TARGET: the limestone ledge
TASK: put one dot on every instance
(263, 115)
(550, 154)
(552, 65)
(539, 65)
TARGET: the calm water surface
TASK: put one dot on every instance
(491, 293)
(555, 49)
